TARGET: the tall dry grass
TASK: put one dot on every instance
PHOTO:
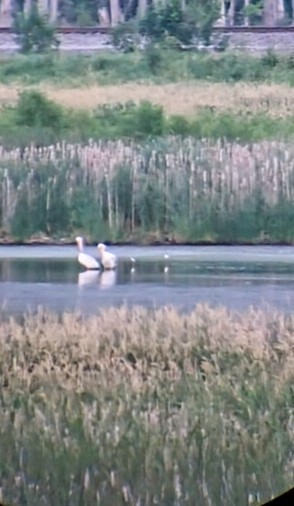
(146, 407)
(184, 98)
(192, 188)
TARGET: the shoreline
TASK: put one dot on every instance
(69, 242)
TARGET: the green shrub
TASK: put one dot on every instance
(167, 18)
(149, 119)
(131, 120)
(153, 57)
(35, 110)
(125, 36)
(34, 33)
(270, 59)
(179, 125)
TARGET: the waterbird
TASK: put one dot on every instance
(133, 260)
(84, 259)
(108, 260)
(166, 267)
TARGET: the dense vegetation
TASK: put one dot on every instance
(133, 181)
(173, 188)
(160, 63)
(139, 408)
(122, 119)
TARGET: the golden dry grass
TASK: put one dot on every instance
(143, 346)
(149, 406)
(176, 98)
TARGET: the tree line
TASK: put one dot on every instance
(113, 12)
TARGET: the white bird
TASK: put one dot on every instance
(166, 267)
(86, 260)
(133, 260)
(108, 260)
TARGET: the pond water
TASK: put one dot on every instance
(235, 276)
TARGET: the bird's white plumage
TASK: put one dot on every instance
(84, 259)
(108, 260)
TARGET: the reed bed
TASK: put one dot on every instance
(134, 406)
(174, 188)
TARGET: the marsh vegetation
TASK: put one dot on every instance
(170, 189)
(146, 407)
(203, 156)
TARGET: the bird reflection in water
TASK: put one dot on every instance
(104, 279)
(107, 279)
(88, 278)
(166, 264)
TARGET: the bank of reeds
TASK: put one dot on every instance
(170, 188)
(146, 407)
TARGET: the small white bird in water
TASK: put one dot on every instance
(166, 267)
(108, 260)
(133, 260)
(84, 259)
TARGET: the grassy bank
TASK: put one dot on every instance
(143, 408)
(158, 64)
(181, 190)
(200, 161)
(44, 115)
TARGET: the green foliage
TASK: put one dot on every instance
(155, 187)
(203, 15)
(179, 125)
(80, 12)
(270, 59)
(37, 119)
(166, 18)
(154, 58)
(35, 110)
(124, 36)
(131, 120)
(254, 11)
(34, 33)
(158, 62)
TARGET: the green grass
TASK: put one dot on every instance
(38, 120)
(159, 65)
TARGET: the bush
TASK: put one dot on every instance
(166, 19)
(131, 120)
(125, 37)
(34, 34)
(178, 125)
(35, 110)
(153, 57)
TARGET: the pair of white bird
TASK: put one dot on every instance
(107, 259)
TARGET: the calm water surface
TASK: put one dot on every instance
(237, 277)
